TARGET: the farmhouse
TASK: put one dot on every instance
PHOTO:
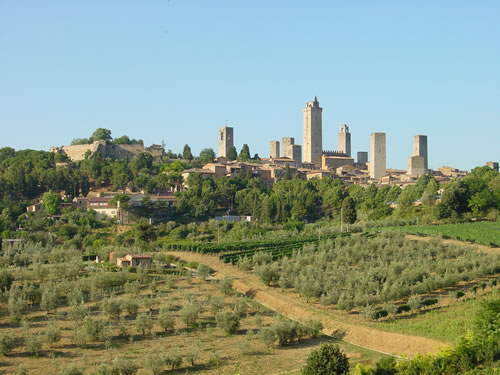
(134, 261)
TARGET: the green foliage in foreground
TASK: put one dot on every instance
(479, 348)
(486, 233)
(327, 360)
(445, 324)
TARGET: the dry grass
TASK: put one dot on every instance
(218, 354)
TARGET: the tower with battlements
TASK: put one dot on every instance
(313, 135)
(226, 140)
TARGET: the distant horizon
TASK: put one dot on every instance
(177, 71)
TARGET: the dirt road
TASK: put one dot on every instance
(293, 306)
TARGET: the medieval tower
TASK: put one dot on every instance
(274, 149)
(226, 140)
(345, 140)
(313, 137)
(420, 148)
(377, 156)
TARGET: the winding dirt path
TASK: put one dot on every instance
(293, 306)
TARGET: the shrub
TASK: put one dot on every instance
(71, 370)
(94, 328)
(123, 366)
(192, 356)
(327, 360)
(459, 294)
(144, 323)
(112, 309)
(240, 307)
(285, 330)
(229, 322)
(203, 271)
(314, 327)
(155, 362)
(226, 286)
(173, 359)
(52, 333)
(34, 343)
(6, 344)
(403, 308)
(429, 302)
(131, 306)
(267, 336)
(189, 313)
(166, 320)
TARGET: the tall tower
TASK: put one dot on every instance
(420, 148)
(377, 155)
(286, 146)
(226, 140)
(345, 140)
(313, 135)
(274, 149)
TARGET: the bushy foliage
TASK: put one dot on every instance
(228, 321)
(327, 360)
(360, 271)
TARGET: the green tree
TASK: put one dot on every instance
(144, 323)
(102, 134)
(228, 321)
(232, 154)
(166, 320)
(327, 360)
(186, 153)
(6, 343)
(51, 201)
(244, 153)
(207, 155)
(349, 211)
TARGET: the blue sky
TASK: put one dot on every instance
(177, 70)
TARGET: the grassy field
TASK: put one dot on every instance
(216, 352)
(486, 233)
(446, 323)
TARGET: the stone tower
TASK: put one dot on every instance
(274, 149)
(416, 166)
(420, 148)
(345, 140)
(286, 144)
(377, 155)
(362, 157)
(313, 135)
(297, 155)
(226, 140)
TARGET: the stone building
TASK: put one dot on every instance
(362, 157)
(344, 144)
(287, 144)
(493, 165)
(420, 149)
(416, 166)
(297, 155)
(333, 162)
(105, 150)
(274, 149)
(313, 134)
(226, 140)
(377, 166)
